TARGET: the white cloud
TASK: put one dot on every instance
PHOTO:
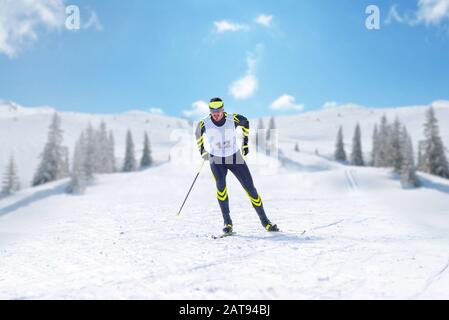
(286, 102)
(22, 20)
(246, 86)
(264, 20)
(199, 108)
(432, 11)
(428, 12)
(224, 25)
(156, 111)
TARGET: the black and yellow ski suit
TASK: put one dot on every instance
(237, 165)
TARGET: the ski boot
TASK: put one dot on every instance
(272, 227)
(228, 229)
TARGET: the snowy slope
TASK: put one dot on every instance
(366, 238)
(23, 133)
(317, 130)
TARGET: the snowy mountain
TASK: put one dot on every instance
(23, 133)
(317, 130)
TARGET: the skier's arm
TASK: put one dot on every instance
(241, 121)
(199, 135)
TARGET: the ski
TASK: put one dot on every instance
(224, 235)
(295, 233)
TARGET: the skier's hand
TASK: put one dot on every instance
(205, 156)
(245, 150)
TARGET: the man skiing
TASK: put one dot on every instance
(224, 154)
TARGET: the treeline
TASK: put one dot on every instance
(94, 153)
(10, 182)
(392, 147)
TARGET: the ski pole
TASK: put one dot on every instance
(191, 187)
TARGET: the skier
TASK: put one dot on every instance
(224, 154)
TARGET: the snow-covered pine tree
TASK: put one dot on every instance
(146, 160)
(111, 151)
(129, 163)
(78, 177)
(357, 153)
(51, 167)
(340, 153)
(103, 154)
(66, 166)
(434, 159)
(11, 182)
(409, 179)
(421, 145)
(396, 153)
(90, 165)
(383, 144)
(375, 150)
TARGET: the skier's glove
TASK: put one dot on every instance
(205, 156)
(245, 150)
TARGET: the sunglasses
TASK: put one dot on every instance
(216, 111)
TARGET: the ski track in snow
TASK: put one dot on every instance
(126, 242)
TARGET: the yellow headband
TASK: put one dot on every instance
(216, 105)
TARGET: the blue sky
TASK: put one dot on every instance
(170, 55)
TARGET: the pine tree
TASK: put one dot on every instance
(357, 154)
(421, 146)
(51, 167)
(375, 151)
(90, 157)
(434, 159)
(111, 151)
(79, 178)
(66, 163)
(146, 160)
(101, 150)
(104, 154)
(383, 149)
(396, 153)
(11, 182)
(409, 178)
(340, 153)
(129, 164)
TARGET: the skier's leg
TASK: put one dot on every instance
(241, 171)
(219, 172)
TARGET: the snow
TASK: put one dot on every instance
(367, 238)
(362, 241)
